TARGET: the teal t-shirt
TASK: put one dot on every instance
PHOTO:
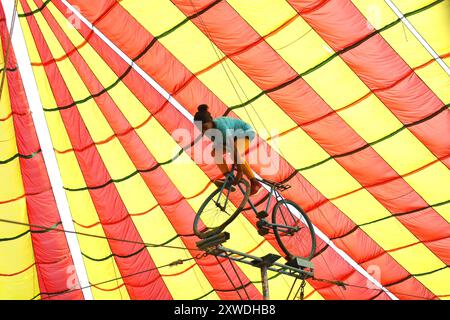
(230, 128)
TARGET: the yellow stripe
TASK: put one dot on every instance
(435, 280)
(437, 80)
(23, 285)
(406, 6)
(100, 271)
(411, 258)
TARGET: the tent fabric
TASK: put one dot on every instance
(353, 109)
(35, 261)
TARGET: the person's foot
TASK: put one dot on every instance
(254, 186)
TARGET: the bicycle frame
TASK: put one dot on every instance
(273, 190)
(228, 180)
(281, 223)
(273, 193)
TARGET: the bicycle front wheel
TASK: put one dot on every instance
(293, 230)
(218, 211)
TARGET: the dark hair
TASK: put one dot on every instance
(203, 114)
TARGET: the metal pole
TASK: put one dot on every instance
(265, 282)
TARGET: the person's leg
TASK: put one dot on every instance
(219, 159)
(248, 171)
(242, 145)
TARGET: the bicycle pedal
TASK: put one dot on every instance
(263, 231)
(262, 214)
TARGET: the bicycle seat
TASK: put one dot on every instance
(281, 186)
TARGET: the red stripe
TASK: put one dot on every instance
(392, 179)
(107, 201)
(409, 291)
(41, 206)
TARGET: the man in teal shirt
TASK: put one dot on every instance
(230, 135)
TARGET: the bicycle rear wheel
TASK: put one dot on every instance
(217, 211)
(296, 235)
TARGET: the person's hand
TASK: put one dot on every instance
(239, 174)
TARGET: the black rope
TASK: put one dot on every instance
(344, 284)
(150, 245)
(292, 287)
(296, 293)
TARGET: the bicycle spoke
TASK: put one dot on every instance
(218, 211)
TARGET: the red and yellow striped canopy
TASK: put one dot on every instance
(353, 96)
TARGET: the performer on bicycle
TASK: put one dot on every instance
(230, 135)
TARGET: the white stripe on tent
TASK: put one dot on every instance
(418, 36)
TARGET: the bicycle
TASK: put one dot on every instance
(290, 225)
